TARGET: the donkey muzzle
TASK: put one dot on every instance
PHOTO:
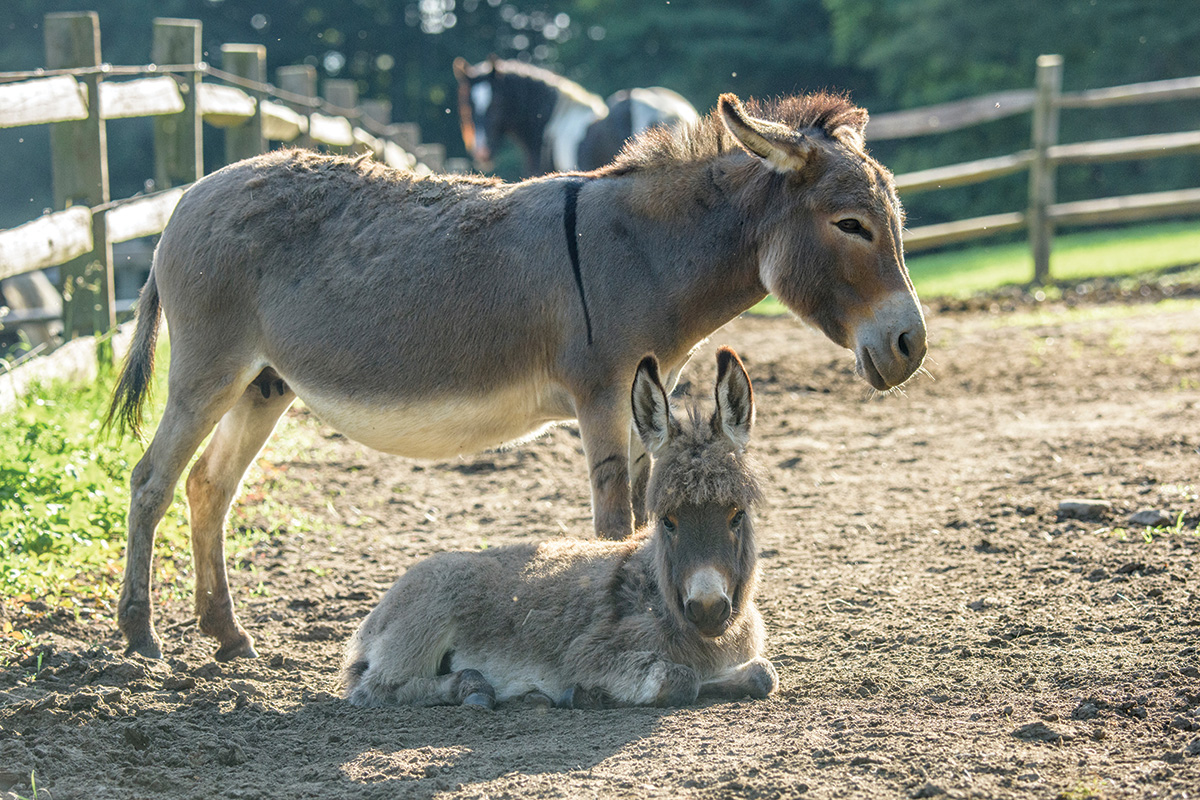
(890, 346)
(706, 602)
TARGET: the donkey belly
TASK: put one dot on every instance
(446, 426)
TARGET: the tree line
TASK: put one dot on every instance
(888, 54)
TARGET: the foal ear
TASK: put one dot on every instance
(782, 148)
(735, 399)
(651, 412)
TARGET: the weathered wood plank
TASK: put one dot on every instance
(142, 217)
(1127, 208)
(1134, 94)
(965, 173)
(144, 97)
(949, 116)
(396, 156)
(46, 241)
(37, 102)
(224, 106)
(248, 61)
(281, 124)
(335, 131)
(928, 236)
(1130, 147)
(179, 138)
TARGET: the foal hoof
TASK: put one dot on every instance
(581, 698)
(479, 700)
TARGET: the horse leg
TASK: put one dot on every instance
(604, 427)
(211, 487)
(183, 427)
(756, 678)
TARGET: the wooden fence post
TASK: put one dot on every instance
(343, 94)
(300, 79)
(247, 61)
(178, 138)
(1041, 171)
(79, 164)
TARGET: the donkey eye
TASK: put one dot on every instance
(737, 520)
(669, 524)
(851, 225)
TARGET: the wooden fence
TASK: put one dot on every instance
(1042, 214)
(76, 93)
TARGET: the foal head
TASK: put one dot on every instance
(701, 491)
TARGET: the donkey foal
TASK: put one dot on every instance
(659, 619)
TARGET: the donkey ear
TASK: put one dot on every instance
(780, 146)
(735, 399)
(853, 130)
(651, 412)
(462, 70)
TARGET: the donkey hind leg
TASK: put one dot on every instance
(191, 412)
(466, 687)
(211, 487)
(604, 425)
(756, 678)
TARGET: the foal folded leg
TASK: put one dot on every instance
(756, 678)
(465, 687)
(211, 487)
(623, 676)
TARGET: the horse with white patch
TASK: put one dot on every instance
(659, 619)
(559, 125)
(439, 315)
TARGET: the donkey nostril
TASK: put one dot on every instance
(902, 344)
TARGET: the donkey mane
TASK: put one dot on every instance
(832, 115)
(698, 471)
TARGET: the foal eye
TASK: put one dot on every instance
(669, 524)
(737, 520)
(851, 225)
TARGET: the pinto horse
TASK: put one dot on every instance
(435, 315)
(558, 124)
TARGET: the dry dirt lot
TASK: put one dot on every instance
(940, 629)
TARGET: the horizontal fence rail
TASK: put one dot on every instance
(186, 92)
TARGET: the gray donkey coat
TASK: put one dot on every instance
(655, 620)
(435, 316)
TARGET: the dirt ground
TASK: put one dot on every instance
(939, 627)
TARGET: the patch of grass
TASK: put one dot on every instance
(64, 497)
(1127, 251)
(1084, 790)
(64, 493)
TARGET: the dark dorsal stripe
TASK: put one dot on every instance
(572, 198)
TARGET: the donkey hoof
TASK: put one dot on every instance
(579, 698)
(148, 646)
(479, 700)
(242, 648)
(537, 699)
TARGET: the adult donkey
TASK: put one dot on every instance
(441, 315)
(558, 124)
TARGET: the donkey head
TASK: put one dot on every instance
(701, 491)
(479, 109)
(830, 229)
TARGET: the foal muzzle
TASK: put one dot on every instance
(706, 602)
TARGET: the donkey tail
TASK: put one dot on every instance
(133, 388)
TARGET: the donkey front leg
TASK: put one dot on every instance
(756, 678)
(604, 425)
(211, 487)
(604, 669)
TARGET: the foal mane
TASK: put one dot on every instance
(825, 113)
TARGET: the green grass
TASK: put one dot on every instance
(1119, 252)
(64, 493)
